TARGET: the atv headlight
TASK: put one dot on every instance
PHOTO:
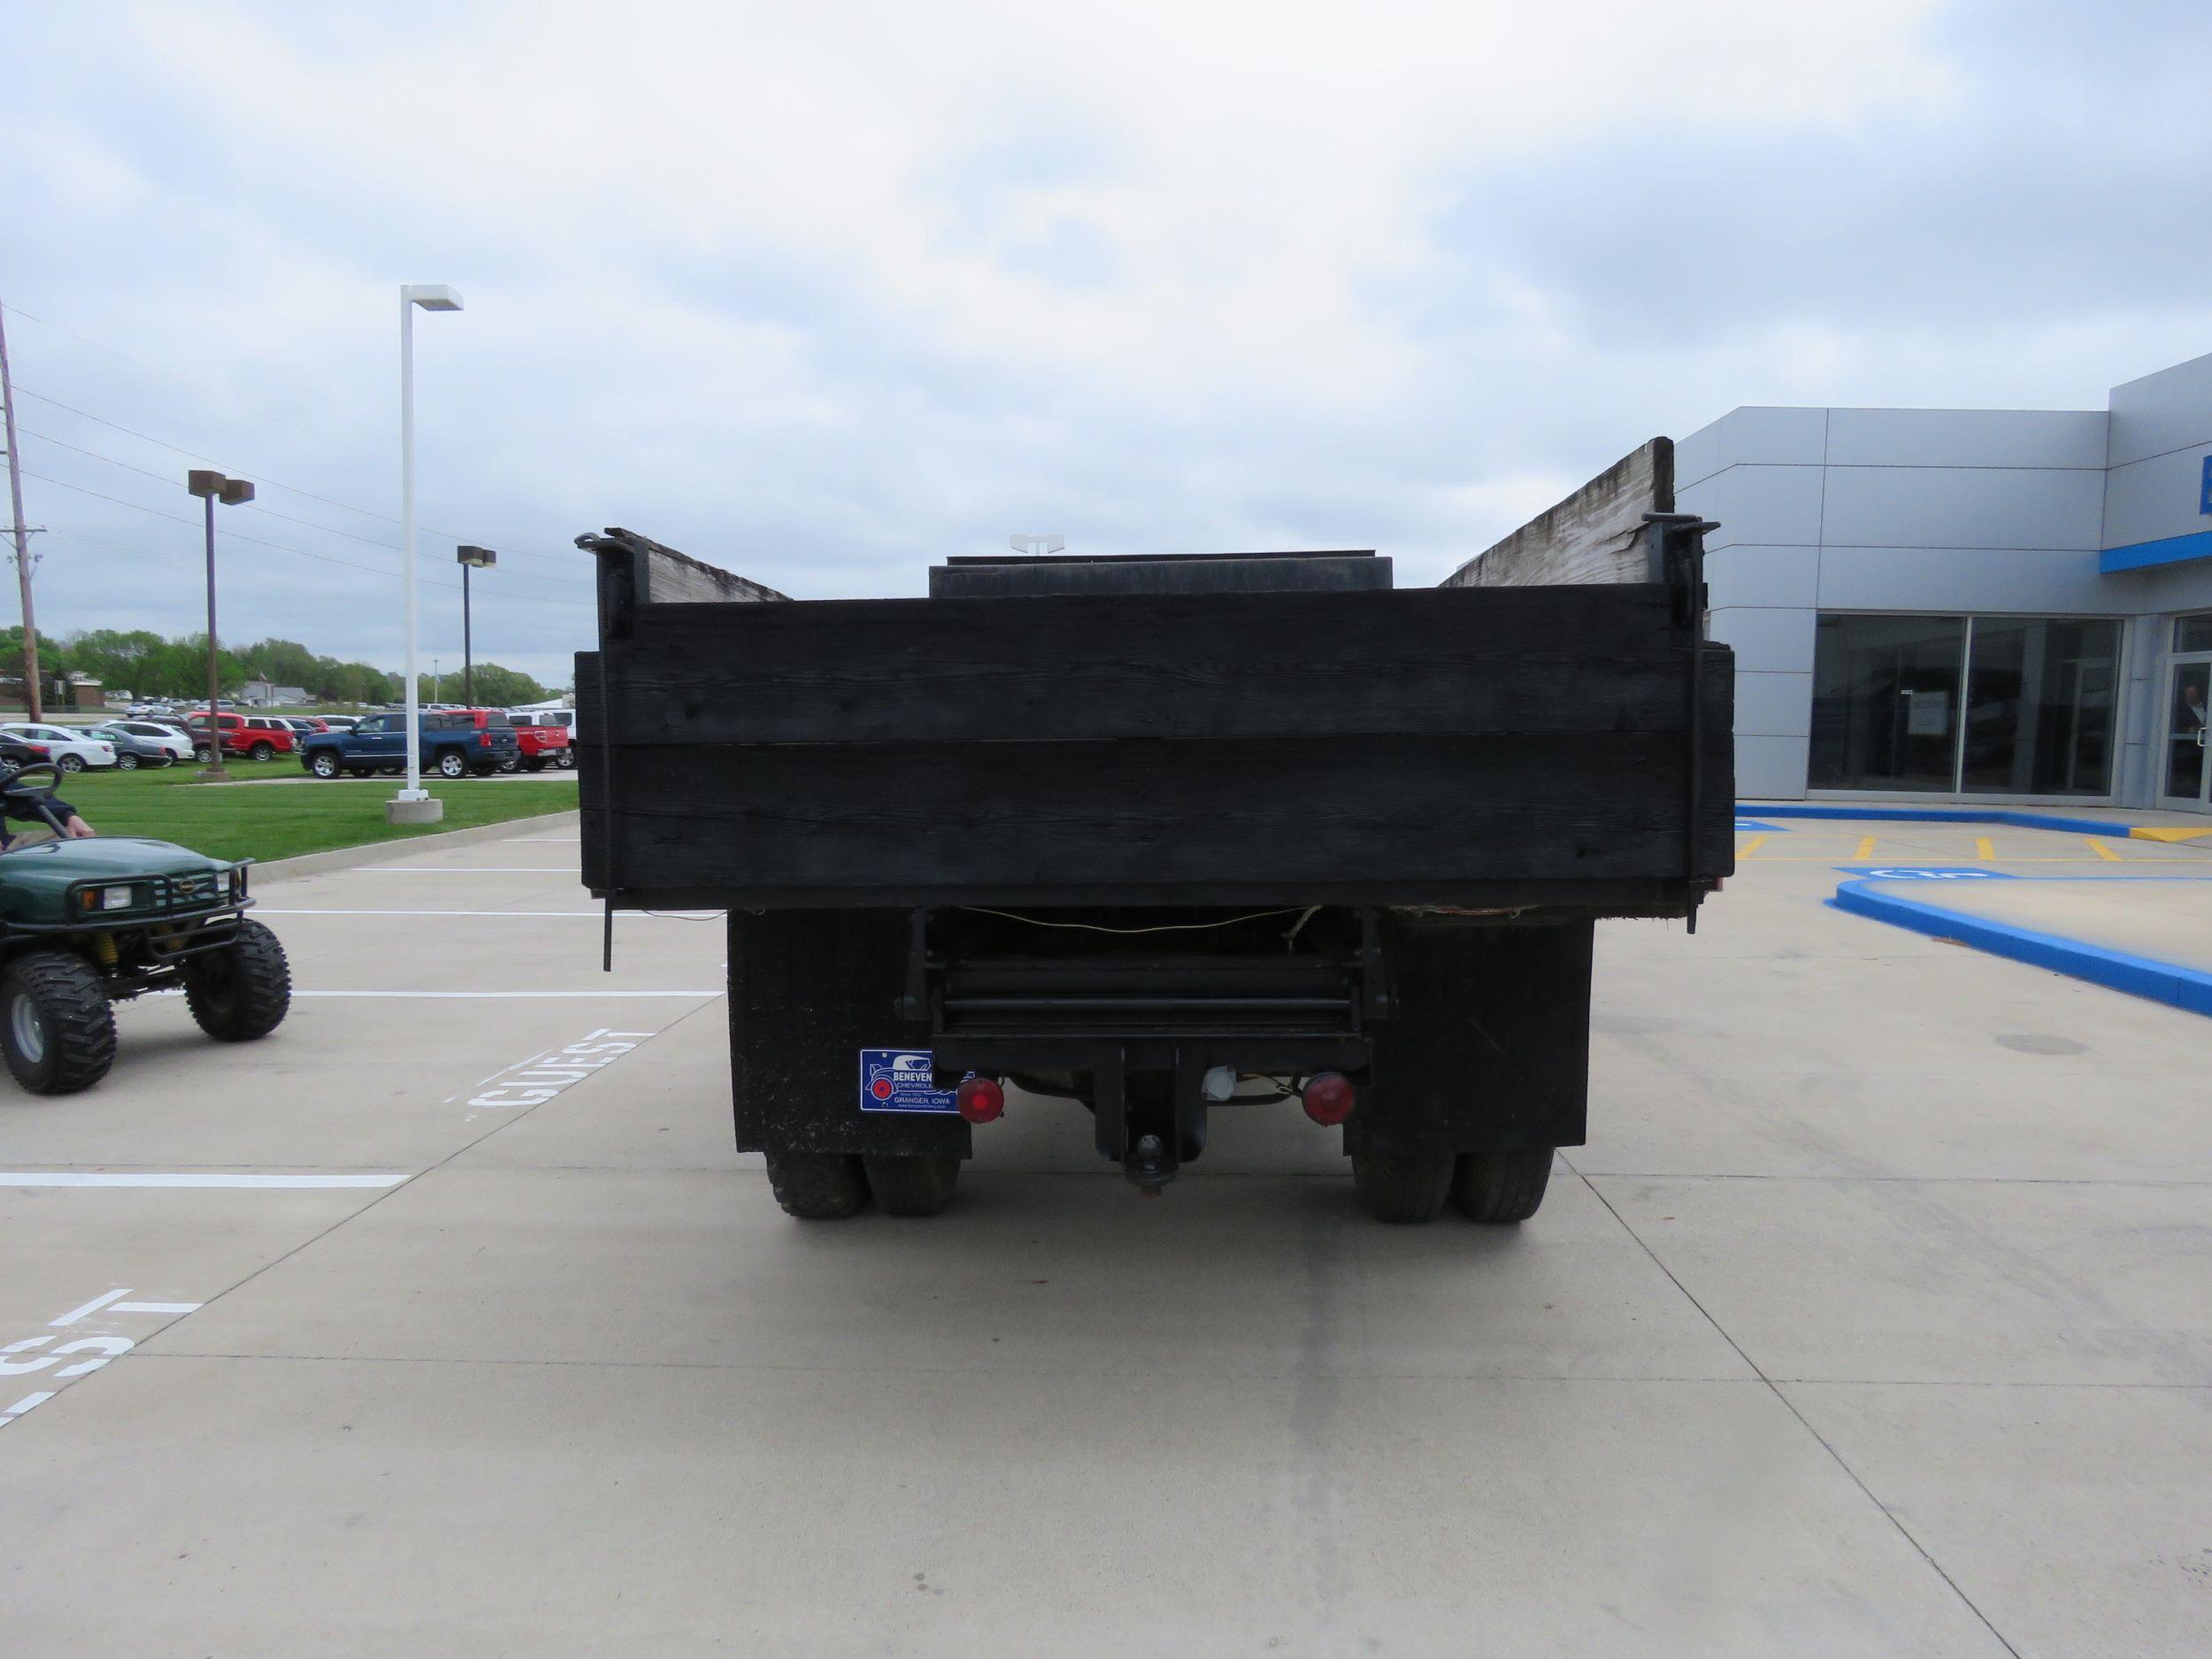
(107, 898)
(238, 882)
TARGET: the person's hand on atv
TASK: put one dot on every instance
(76, 829)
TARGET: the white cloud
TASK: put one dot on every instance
(832, 291)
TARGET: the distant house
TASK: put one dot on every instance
(266, 693)
(81, 691)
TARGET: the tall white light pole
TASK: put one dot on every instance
(413, 804)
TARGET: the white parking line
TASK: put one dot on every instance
(103, 1178)
(462, 869)
(577, 996)
(546, 841)
(660, 916)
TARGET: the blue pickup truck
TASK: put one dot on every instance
(455, 743)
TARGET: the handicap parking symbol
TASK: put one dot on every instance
(1924, 872)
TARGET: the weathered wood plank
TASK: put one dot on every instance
(1284, 813)
(1594, 535)
(1533, 660)
(636, 570)
(1251, 574)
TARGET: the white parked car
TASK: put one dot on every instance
(71, 751)
(153, 732)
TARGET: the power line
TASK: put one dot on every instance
(82, 340)
(281, 547)
(308, 523)
(293, 489)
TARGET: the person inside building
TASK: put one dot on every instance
(14, 755)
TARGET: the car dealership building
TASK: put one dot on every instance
(2008, 605)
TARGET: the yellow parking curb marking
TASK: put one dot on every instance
(1866, 848)
(1751, 847)
(2100, 849)
(1984, 848)
(2163, 832)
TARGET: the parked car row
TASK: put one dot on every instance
(455, 742)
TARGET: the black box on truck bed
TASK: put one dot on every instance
(1157, 836)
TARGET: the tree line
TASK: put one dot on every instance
(148, 664)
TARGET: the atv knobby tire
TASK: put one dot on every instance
(243, 991)
(817, 1185)
(57, 1029)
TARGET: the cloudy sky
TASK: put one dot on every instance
(825, 293)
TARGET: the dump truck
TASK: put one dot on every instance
(1151, 837)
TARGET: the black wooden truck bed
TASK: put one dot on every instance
(1161, 837)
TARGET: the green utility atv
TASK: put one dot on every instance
(86, 922)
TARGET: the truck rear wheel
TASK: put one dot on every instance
(56, 1028)
(243, 991)
(817, 1185)
(1403, 1188)
(1499, 1186)
(912, 1187)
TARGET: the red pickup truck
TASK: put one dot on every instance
(542, 741)
(256, 736)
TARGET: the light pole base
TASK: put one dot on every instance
(427, 811)
(213, 774)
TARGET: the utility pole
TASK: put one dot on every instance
(22, 536)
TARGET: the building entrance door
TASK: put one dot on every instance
(2186, 761)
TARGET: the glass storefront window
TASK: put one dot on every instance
(2193, 634)
(2039, 706)
(1885, 698)
(2036, 694)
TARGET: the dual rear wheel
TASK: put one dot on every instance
(829, 1186)
(1498, 1187)
(1488, 1187)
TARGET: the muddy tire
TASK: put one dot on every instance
(243, 991)
(1501, 1186)
(1403, 1190)
(912, 1187)
(57, 1029)
(817, 1185)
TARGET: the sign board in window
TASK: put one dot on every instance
(1927, 713)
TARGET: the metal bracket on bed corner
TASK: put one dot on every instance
(1677, 547)
(914, 1004)
(1374, 988)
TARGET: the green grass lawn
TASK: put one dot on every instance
(303, 816)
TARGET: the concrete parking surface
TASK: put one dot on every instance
(1875, 1319)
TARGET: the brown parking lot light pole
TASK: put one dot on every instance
(472, 558)
(212, 487)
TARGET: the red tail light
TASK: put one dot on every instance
(483, 740)
(1329, 1098)
(980, 1099)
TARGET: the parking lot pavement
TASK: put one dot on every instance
(1875, 1319)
